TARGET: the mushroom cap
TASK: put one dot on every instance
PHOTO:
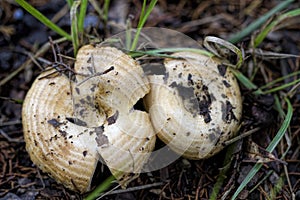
(195, 106)
(71, 125)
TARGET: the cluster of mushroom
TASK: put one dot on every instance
(70, 123)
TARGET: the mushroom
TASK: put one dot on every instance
(70, 124)
(195, 105)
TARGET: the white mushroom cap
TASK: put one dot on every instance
(69, 126)
(195, 106)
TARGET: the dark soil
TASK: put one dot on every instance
(22, 36)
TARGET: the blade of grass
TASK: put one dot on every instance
(281, 87)
(261, 36)
(279, 79)
(142, 12)
(270, 148)
(28, 62)
(81, 16)
(142, 21)
(105, 10)
(157, 52)
(130, 46)
(102, 12)
(39, 16)
(283, 127)
(266, 176)
(278, 106)
(129, 31)
(70, 3)
(222, 175)
(272, 55)
(245, 81)
(74, 26)
(277, 187)
(256, 24)
(101, 188)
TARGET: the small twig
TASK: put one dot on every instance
(132, 189)
(286, 172)
(47, 62)
(108, 192)
(96, 74)
(60, 14)
(293, 91)
(289, 182)
(42, 180)
(58, 63)
(34, 60)
(9, 138)
(53, 49)
(17, 101)
(243, 135)
(220, 52)
(41, 51)
(10, 123)
(67, 57)
(57, 70)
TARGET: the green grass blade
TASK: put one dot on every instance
(148, 12)
(129, 32)
(247, 179)
(223, 172)
(142, 22)
(256, 24)
(105, 10)
(279, 79)
(270, 148)
(82, 14)
(281, 87)
(43, 19)
(266, 176)
(100, 189)
(160, 52)
(135, 54)
(74, 26)
(283, 127)
(142, 12)
(132, 45)
(261, 36)
(278, 106)
(70, 3)
(245, 81)
(277, 187)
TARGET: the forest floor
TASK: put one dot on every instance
(22, 36)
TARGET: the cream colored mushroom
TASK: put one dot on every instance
(70, 124)
(195, 106)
